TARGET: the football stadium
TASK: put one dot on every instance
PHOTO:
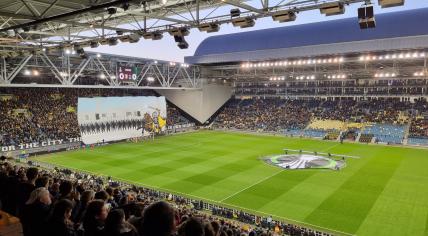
(287, 117)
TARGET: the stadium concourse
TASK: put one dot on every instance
(340, 91)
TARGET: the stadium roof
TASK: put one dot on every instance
(399, 30)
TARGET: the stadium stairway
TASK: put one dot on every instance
(358, 137)
(406, 133)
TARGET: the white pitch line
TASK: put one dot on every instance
(258, 182)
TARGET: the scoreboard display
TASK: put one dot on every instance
(128, 72)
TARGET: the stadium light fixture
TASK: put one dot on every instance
(390, 3)
(209, 27)
(182, 31)
(331, 9)
(98, 55)
(366, 18)
(112, 41)
(150, 79)
(418, 74)
(67, 51)
(243, 22)
(102, 76)
(111, 10)
(385, 75)
(284, 16)
(153, 35)
(236, 12)
(36, 73)
(27, 72)
(93, 44)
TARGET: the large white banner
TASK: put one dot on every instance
(103, 119)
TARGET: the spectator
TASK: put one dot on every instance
(35, 212)
(192, 227)
(94, 219)
(25, 188)
(159, 219)
(60, 223)
(117, 226)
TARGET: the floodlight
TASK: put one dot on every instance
(284, 16)
(243, 22)
(390, 3)
(330, 9)
(209, 27)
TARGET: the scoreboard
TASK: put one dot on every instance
(128, 72)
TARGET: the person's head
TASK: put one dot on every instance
(65, 188)
(102, 195)
(137, 209)
(209, 229)
(192, 227)
(87, 196)
(32, 174)
(115, 218)
(42, 182)
(39, 195)
(216, 227)
(158, 220)
(62, 210)
(96, 211)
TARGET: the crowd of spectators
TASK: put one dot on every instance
(264, 114)
(175, 117)
(277, 114)
(60, 202)
(36, 114)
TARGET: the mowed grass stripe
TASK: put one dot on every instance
(404, 200)
(349, 205)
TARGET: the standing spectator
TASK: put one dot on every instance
(25, 188)
(36, 211)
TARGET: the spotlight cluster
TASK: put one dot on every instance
(307, 77)
(394, 56)
(299, 62)
(185, 65)
(277, 78)
(338, 76)
(385, 75)
(418, 74)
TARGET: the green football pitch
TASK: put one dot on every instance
(384, 192)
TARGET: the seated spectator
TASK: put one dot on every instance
(117, 226)
(60, 223)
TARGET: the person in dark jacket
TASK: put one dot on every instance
(117, 226)
(94, 218)
(25, 188)
(60, 223)
(36, 211)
